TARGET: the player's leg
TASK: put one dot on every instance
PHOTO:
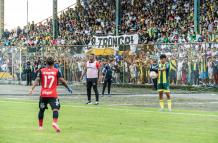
(167, 91)
(160, 89)
(89, 89)
(41, 117)
(155, 83)
(216, 78)
(27, 79)
(109, 87)
(95, 88)
(169, 101)
(104, 87)
(42, 106)
(55, 105)
(161, 100)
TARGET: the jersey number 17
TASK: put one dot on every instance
(48, 81)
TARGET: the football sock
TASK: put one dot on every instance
(169, 104)
(55, 116)
(40, 117)
(161, 104)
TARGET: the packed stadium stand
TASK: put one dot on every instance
(165, 21)
(155, 21)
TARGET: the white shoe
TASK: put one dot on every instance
(56, 127)
(40, 128)
(96, 103)
(162, 109)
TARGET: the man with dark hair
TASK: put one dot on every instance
(92, 75)
(49, 77)
(163, 81)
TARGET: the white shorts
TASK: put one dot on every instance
(179, 75)
(210, 74)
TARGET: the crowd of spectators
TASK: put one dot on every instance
(163, 21)
(189, 65)
(156, 22)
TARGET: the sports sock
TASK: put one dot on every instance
(40, 117)
(40, 122)
(55, 116)
(161, 104)
(169, 104)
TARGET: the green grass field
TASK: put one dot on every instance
(106, 124)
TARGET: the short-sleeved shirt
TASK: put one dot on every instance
(49, 81)
(163, 76)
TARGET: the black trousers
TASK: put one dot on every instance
(107, 82)
(196, 77)
(29, 79)
(155, 83)
(92, 82)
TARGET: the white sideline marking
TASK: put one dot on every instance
(127, 110)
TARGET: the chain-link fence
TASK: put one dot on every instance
(191, 63)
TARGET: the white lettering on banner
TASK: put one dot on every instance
(115, 41)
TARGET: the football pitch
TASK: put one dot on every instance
(105, 123)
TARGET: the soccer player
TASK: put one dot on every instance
(163, 82)
(49, 81)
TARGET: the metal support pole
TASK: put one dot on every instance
(196, 15)
(20, 67)
(55, 17)
(117, 16)
(12, 62)
(2, 5)
(27, 12)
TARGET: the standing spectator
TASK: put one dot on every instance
(28, 70)
(173, 69)
(154, 68)
(184, 72)
(107, 79)
(210, 66)
(79, 65)
(133, 72)
(196, 71)
(215, 69)
(179, 72)
(117, 72)
(203, 69)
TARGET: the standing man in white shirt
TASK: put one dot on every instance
(92, 74)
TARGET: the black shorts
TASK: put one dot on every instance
(44, 101)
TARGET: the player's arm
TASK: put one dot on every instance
(85, 70)
(36, 82)
(98, 67)
(64, 82)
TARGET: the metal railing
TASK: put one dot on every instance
(193, 63)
